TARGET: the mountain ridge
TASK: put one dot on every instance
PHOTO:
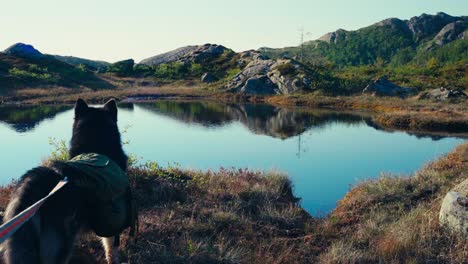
(383, 39)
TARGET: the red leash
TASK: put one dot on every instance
(10, 227)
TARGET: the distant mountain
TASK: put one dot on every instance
(93, 64)
(392, 40)
(21, 65)
(23, 50)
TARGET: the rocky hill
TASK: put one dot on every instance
(392, 40)
(248, 72)
(23, 66)
(196, 53)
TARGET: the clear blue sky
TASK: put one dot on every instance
(115, 30)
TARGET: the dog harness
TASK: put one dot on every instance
(107, 186)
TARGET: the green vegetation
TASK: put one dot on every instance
(90, 64)
(20, 72)
(221, 66)
(122, 68)
(32, 73)
(428, 76)
(354, 58)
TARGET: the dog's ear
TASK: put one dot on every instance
(111, 107)
(80, 107)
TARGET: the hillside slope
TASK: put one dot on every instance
(392, 40)
(92, 64)
(22, 66)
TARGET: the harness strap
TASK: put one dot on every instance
(12, 225)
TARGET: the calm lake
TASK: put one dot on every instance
(323, 152)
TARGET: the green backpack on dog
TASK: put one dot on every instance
(112, 206)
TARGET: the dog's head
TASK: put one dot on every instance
(95, 130)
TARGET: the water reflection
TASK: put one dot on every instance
(260, 119)
(25, 118)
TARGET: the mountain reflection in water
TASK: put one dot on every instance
(260, 119)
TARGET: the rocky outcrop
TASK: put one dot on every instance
(23, 50)
(208, 78)
(442, 94)
(266, 76)
(187, 54)
(259, 85)
(451, 32)
(426, 25)
(383, 87)
(454, 210)
(333, 37)
(248, 56)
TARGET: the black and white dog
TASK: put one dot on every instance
(49, 236)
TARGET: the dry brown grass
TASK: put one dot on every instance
(395, 219)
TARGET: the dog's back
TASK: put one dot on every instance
(48, 237)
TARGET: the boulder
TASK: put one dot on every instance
(261, 85)
(442, 94)
(281, 76)
(454, 210)
(383, 87)
(208, 78)
(287, 74)
(256, 68)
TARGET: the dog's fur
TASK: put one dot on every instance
(49, 236)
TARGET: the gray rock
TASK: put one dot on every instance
(260, 85)
(255, 68)
(383, 87)
(454, 210)
(187, 54)
(451, 32)
(427, 25)
(290, 82)
(442, 94)
(395, 24)
(208, 78)
(334, 37)
(170, 56)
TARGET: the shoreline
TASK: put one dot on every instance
(393, 114)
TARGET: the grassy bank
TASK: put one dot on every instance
(241, 216)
